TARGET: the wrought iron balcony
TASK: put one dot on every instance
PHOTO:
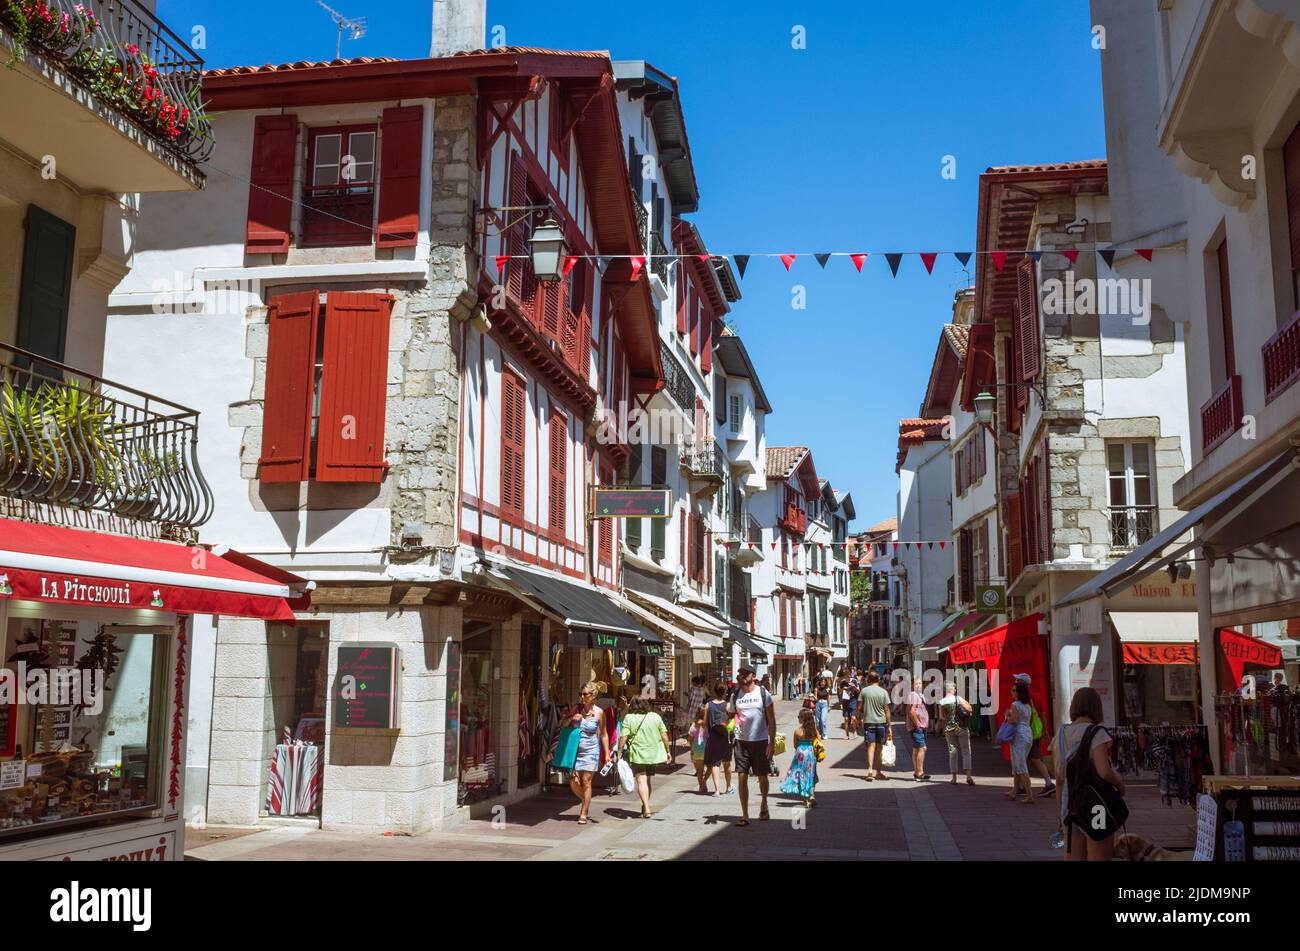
(71, 439)
(127, 58)
(660, 262)
(1131, 525)
(642, 217)
(704, 462)
(678, 383)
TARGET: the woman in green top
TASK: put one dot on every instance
(643, 739)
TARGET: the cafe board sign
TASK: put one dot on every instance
(630, 503)
(365, 691)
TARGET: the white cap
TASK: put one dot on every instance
(1023, 678)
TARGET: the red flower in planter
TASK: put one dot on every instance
(133, 50)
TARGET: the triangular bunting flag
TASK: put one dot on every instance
(1071, 254)
(1036, 255)
(787, 260)
(704, 257)
(942, 545)
(569, 262)
(638, 262)
(1108, 256)
(894, 260)
(858, 261)
(602, 263)
(1145, 252)
(927, 258)
(999, 259)
(822, 259)
(895, 548)
(962, 256)
(501, 261)
(742, 262)
(773, 546)
(929, 545)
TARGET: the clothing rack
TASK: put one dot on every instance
(1271, 714)
(1178, 756)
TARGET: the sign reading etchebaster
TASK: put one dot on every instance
(365, 687)
(630, 503)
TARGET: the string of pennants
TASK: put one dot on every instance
(893, 258)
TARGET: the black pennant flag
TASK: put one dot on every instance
(822, 259)
(962, 256)
(1109, 257)
(742, 262)
(1035, 255)
(894, 260)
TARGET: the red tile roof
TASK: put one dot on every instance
(301, 64)
(959, 336)
(1049, 167)
(781, 460)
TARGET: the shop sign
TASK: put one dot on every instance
(13, 774)
(1160, 653)
(652, 650)
(606, 641)
(154, 848)
(71, 589)
(630, 503)
(991, 598)
(365, 687)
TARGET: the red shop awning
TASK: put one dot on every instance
(59, 565)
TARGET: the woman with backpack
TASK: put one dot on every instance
(955, 716)
(1090, 792)
(717, 745)
(1021, 718)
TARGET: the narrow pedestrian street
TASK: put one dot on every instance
(894, 820)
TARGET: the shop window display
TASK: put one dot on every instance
(478, 758)
(82, 740)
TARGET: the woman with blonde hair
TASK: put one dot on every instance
(801, 780)
(593, 745)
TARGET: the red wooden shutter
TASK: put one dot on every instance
(693, 318)
(553, 308)
(270, 189)
(354, 388)
(706, 345)
(1027, 312)
(399, 177)
(576, 306)
(290, 367)
(521, 283)
(514, 405)
(1009, 361)
(682, 281)
(781, 609)
(1015, 557)
(559, 439)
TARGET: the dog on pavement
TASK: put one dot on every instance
(1131, 847)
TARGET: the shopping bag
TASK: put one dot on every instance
(778, 744)
(566, 747)
(819, 749)
(888, 755)
(625, 777)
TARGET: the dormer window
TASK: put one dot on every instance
(339, 197)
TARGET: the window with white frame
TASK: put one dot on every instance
(1132, 493)
(735, 410)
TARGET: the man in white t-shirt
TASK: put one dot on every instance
(755, 714)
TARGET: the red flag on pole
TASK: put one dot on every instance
(638, 262)
(1071, 254)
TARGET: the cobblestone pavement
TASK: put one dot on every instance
(894, 820)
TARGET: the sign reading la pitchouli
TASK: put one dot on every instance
(70, 589)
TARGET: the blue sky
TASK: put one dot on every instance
(836, 147)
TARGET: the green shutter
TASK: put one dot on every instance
(46, 284)
(658, 526)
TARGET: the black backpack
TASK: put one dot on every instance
(717, 719)
(1095, 805)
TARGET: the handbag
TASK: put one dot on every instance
(819, 749)
(566, 747)
(778, 744)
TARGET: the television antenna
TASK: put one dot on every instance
(355, 27)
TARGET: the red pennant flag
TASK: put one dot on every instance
(895, 548)
(704, 257)
(1145, 252)
(858, 261)
(1071, 254)
(638, 262)
(569, 262)
(941, 545)
(999, 259)
(787, 260)
(927, 258)
(501, 262)
(773, 546)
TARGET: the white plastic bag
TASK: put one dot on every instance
(888, 754)
(625, 777)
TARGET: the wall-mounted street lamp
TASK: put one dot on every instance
(986, 403)
(548, 250)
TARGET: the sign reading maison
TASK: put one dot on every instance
(630, 503)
